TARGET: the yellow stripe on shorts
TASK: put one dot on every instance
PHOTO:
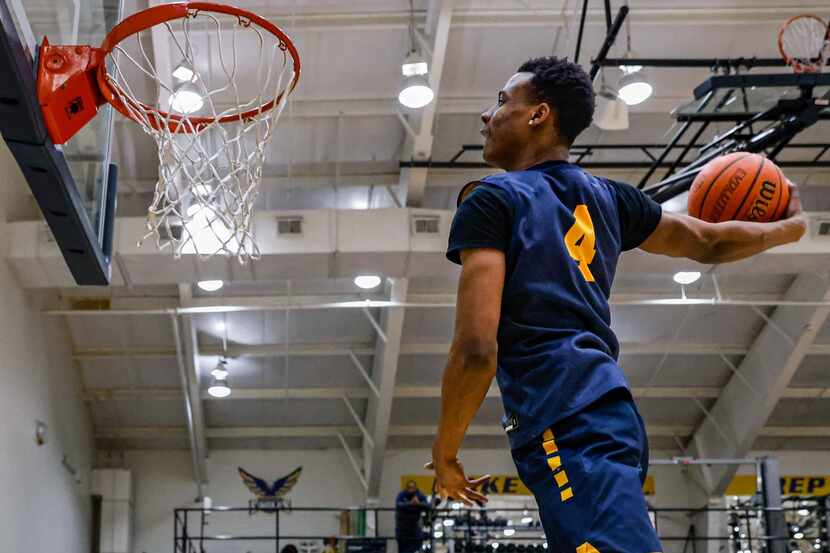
(548, 443)
(555, 465)
(586, 548)
(554, 462)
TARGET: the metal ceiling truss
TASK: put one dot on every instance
(495, 430)
(582, 154)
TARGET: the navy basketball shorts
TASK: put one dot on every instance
(587, 473)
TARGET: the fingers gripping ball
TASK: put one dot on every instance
(739, 187)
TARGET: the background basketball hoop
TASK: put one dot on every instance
(804, 41)
(210, 115)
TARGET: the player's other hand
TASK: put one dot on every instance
(452, 483)
(794, 208)
(795, 214)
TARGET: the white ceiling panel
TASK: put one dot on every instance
(160, 372)
(286, 412)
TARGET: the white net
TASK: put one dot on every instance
(211, 105)
(804, 43)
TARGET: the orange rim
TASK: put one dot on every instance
(797, 66)
(157, 15)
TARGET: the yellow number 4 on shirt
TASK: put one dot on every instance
(581, 241)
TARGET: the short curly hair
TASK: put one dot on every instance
(568, 89)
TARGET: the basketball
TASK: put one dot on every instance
(739, 187)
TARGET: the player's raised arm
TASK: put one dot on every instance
(680, 235)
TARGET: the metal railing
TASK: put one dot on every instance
(512, 530)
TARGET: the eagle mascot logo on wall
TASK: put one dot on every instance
(269, 498)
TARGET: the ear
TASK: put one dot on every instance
(540, 114)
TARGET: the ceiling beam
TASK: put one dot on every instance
(737, 418)
(233, 351)
(413, 180)
(326, 20)
(426, 392)
(207, 306)
(384, 374)
(187, 346)
(427, 348)
(156, 432)
(433, 348)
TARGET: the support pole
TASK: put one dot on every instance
(581, 30)
(776, 525)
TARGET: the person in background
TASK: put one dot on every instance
(330, 545)
(408, 507)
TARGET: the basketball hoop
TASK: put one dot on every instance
(804, 41)
(175, 69)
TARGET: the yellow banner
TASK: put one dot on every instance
(499, 484)
(744, 484)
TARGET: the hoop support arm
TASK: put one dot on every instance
(67, 88)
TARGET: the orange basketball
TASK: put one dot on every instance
(739, 187)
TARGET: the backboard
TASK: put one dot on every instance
(741, 97)
(74, 184)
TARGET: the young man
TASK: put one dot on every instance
(539, 246)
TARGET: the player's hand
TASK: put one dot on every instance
(794, 207)
(452, 483)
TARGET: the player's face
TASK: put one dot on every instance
(505, 125)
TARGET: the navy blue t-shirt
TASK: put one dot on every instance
(562, 231)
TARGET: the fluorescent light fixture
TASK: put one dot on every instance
(635, 88)
(415, 92)
(367, 282)
(184, 72)
(686, 277)
(186, 99)
(219, 388)
(211, 286)
(509, 531)
(611, 111)
(221, 370)
(414, 67)
(626, 69)
(203, 190)
(449, 522)
(527, 520)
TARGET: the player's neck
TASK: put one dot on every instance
(531, 157)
